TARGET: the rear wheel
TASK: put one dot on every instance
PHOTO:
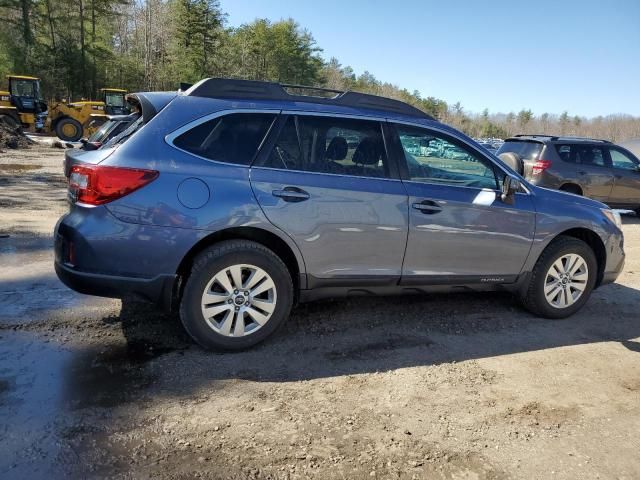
(571, 188)
(69, 130)
(562, 279)
(239, 292)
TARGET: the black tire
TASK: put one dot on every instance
(68, 123)
(534, 298)
(211, 261)
(637, 212)
(10, 122)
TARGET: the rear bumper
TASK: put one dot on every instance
(158, 290)
(96, 254)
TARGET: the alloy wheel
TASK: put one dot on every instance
(239, 300)
(566, 280)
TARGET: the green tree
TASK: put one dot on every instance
(564, 123)
(280, 51)
(195, 40)
(524, 117)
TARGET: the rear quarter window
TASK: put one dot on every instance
(526, 150)
(233, 138)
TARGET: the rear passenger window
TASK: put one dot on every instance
(565, 154)
(287, 153)
(589, 155)
(233, 138)
(330, 145)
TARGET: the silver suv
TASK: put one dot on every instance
(596, 169)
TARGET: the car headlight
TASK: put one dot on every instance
(613, 216)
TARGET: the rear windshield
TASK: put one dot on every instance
(526, 150)
(98, 134)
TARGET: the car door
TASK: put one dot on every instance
(328, 183)
(626, 172)
(593, 169)
(460, 231)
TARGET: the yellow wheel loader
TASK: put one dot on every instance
(72, 121)
(22, 105)
(69, 121)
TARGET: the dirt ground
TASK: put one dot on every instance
(445, 386)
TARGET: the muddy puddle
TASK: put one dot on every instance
(49, 392)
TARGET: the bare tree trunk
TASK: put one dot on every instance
(147, 47)
(27, 34)
(83, 69)
(204, 72)
(94, 90)
(51, 30)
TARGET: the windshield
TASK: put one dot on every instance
(114, 99)
(526, 150)
(25, 88)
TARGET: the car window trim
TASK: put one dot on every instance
(171, 137)
(394, 172)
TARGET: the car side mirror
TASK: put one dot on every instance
(510, 186)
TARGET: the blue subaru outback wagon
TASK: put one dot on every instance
(236, 199)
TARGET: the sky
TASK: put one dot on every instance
(549, 56)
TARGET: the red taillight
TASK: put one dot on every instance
(540, 166)
(96, 185)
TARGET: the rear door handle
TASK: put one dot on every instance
(291, 194)
(582, 172)
(428, 207)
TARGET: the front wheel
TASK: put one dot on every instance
(9, 122)
(562, 279)
(69, 130)
(239, 292)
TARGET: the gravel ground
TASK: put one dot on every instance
(443, 386)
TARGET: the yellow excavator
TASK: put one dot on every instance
(22, 106)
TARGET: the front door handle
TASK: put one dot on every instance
(428, 207)
(582, 172)
(291, 194)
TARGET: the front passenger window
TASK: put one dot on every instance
(435, 158)
(622, 161)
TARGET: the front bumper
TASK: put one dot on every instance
(615, 259)
(158, 290)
